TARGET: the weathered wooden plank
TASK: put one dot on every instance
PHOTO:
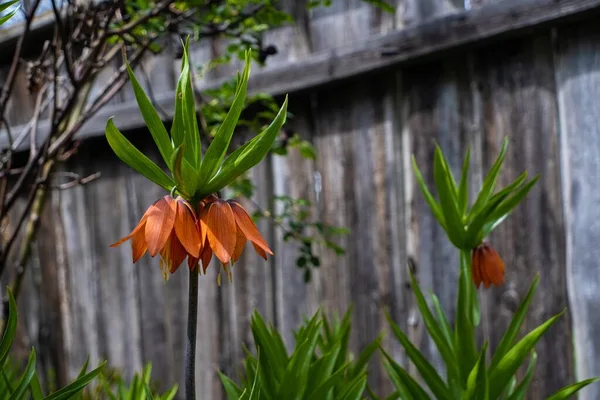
(578, 85)
(518, 94)
(452, 31)
(295, 176)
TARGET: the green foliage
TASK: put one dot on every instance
(8, 15)
(15, 385)
(467, 227)
(194, 176)
(468, 374)
(112, 386)
(295, 218)
(319, 367)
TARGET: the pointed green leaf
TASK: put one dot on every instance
(515, 326)
(170, 395)
(8, 16)
(218, 147)
(10, 329)
(445, 328)
(454, 226)
(247, 155)
(433, 205)
(21, 388)
(427, 371)
(520, 390)
(505, 208)
(489, 183)
(135, 158)
(152, 119)
(508, 189)
(148, 392)
(233, 391)
(7, 4)
(512, 360)
(463, 187)
(35, 388)
(477, 383)
(407, 387)
(464, 334)
(328, 383)
(355, 389)
(570, 390)
(76, 386)
(365, 355)
(191, 135)
(445, 348)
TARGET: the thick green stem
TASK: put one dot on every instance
(190, 345)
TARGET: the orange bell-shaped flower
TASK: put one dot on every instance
(225, 227)
(487, 266)
(168, 228)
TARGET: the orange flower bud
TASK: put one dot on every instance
(487, 266)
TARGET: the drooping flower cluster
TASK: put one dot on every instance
(488, 267)
(172, 229)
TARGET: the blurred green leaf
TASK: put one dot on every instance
(570, 390)
(10, 329)
(489, 183)
(25, 379)
(76, 386)
(407, 387)
(463, 187)
(427, 371)
(477, 383)
(512, 360)
(433, 205)
(520, 391)
(434, 329)
(511, 333)
(448, 204)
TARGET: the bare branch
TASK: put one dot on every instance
(10, 79)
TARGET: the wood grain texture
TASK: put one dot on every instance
(365, 131)
(577, 66)
(371, 54)
(518, 95)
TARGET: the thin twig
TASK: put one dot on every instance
(10, 79)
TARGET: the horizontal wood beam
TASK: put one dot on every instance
(429, 39)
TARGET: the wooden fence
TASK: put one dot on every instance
(369, 90)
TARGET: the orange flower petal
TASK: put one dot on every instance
(245, 223)
(240, 243)
(206, 256)
(160, 224)
(138, 245)
(260, 251)
(221, 231)
(186, 230)
(135, 230)
(192, 262)
(173, 253)
(487, 266)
